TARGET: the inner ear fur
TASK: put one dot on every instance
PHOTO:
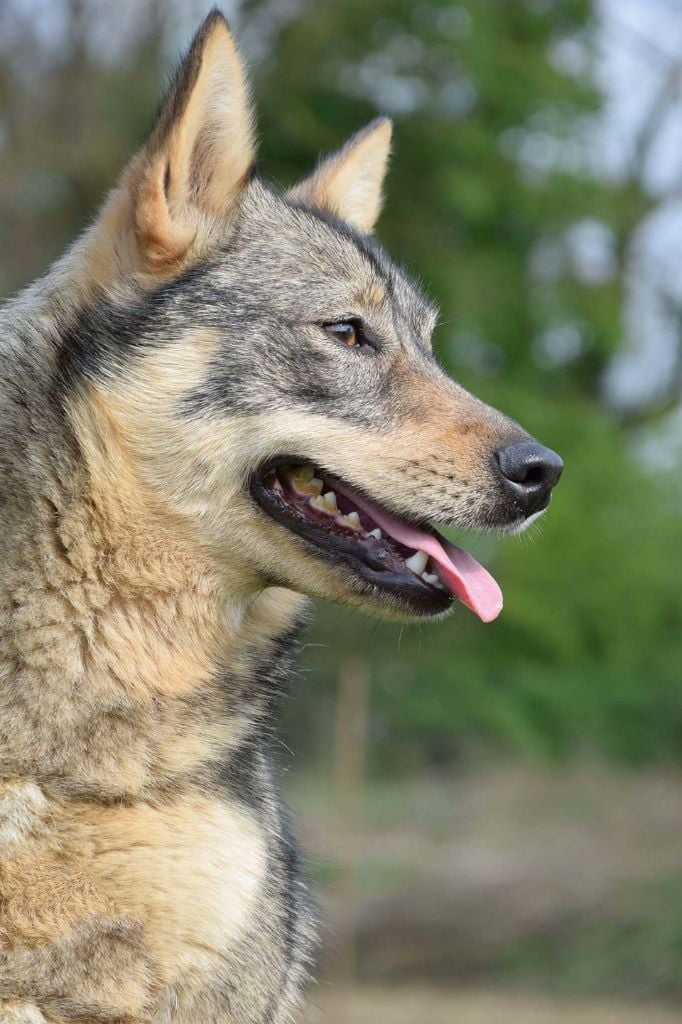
(185, 182)
(349, 183)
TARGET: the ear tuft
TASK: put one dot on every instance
(349, 183)
(200, 152)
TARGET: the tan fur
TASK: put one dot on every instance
(195, 164)
(438, 446)
(176, 866)
(208, 148)
(349, 183)
(139, 613)
(144, 861)
(42, 898)
(372, 296)
(23, 810)
(141, 854)
(15, 1012)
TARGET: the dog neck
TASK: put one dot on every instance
(129, 663)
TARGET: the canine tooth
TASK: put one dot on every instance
(377, 534)
(329, 500)
(417, 562)
(430, 577)
(353, 520)
(318, 503)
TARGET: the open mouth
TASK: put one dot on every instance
(409, 561)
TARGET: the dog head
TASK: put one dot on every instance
(266, 370)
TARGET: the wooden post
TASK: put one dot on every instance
(350, 760)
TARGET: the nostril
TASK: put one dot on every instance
(533, 475)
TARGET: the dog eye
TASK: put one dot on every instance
(347, 331)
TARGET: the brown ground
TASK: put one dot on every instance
(448, 873)
(428, 1006)
(438, 878)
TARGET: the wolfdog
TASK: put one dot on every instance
(221, 400)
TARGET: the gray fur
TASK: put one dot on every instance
(108, 584)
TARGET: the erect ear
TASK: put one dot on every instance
(189, 175)
(349, 182)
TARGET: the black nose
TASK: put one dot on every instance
(529, 471)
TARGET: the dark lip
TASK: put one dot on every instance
(345, 551)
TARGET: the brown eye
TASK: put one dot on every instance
(347, 331)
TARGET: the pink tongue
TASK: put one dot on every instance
(466, 578)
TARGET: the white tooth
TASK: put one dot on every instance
(305, 482)
(353, 520)
(430, 577)
(313, 486)
(375, 533)
(417, 562)
(318, 503)
(329, 500)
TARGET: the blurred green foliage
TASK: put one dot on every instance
(637, 952)
(484, 187)
(588, 650)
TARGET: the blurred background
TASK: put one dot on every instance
(492, 814)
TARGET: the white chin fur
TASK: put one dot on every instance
(523, 526)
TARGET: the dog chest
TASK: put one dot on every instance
(192, 872)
